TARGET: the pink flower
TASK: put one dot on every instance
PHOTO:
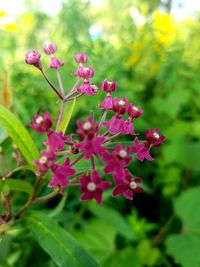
(153, 137)
(128, 186)
(133, 111)
(61, 174)
(92, 187)
(120, 105)
(88, 128)
(91, 143)
(108, 86)
(87, 88)
(33, 58)
(85, 72)
(41, 123)
(116, 124)
(56, 141)
(50, 49)
(107, 103)
(80, 58)
(117, 161)
(141, 149)
(128, 127)
(46, 161)
(55, 63)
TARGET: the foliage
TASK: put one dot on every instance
(156, 64)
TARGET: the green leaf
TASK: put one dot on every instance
(98, 238)
(19, 134)
(16, 185)
(64, 123)
(184, 247)
(113, 218)
(58, 243)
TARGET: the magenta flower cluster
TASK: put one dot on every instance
(93, 141)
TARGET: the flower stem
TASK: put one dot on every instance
(51, 85)
(44, 198)
(60, 83)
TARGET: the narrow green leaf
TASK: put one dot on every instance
(19, 134)
(58, 243)
(16, 185)
(67, 117)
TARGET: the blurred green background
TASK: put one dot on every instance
(156, 61)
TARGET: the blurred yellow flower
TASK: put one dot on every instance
(11, 27)
(2, 13)
(165, 28)
(27, 19)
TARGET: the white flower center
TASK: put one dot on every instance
(121, 102)
(133, 185)
(91, 187)
(87, 126)
(43, 160)
(39, 120)
(122, 153)
(156, 135)
(135, 109)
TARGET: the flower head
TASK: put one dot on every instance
(41, 123)
(92, 187)
(33, 58)
(128, 186)
(50, 49)
(80, 58)
(141, 149)
(55, 63)
(87, 88)
(85, 72)
(117, 161)
(108, 86)
(46, 161)
(61, 174)
(153, 137)
(56, 141)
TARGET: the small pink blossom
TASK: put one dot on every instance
(133, 111)
(56, 141)
(153, 137)
(49, 49)
(85, 72)
(41, 123)
(80, 58)
(107, 103)
(46, 161)
(117, 161)
(55, 63)
(61, 174)
(93, 187)
(141, 149)
(108, 86)
(87, 88)
(116, 124)
(33, 58)
(128, 186)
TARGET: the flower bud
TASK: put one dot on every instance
(108, 86)
(85, 72)
(55, 63)
(50, 49)
(33, 58)
(80, 58)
